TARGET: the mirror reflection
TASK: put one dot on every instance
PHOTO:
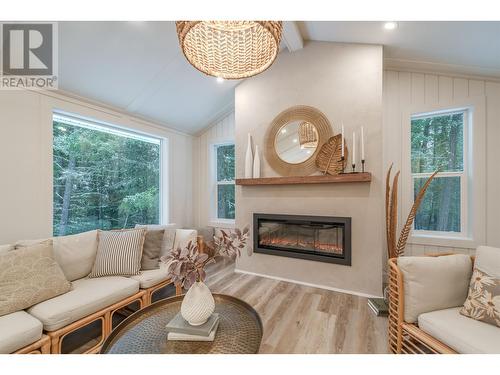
(296, 141)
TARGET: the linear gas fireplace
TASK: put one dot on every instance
(319, 238)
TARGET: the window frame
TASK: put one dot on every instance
(464, 196)
(124, 131)
(215, 221)
(473, 183)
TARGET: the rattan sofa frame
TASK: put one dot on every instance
(51, 341)
(407, 338)
(41, 346)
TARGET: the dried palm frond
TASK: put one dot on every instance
(387, 211)
(394, 215)
(403, 238)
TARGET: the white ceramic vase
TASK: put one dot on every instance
(198, 304)
(256, 163)
(249, 158)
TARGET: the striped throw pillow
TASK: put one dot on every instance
(119, 253)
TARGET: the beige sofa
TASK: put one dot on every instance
(426, 296)
(43, 327)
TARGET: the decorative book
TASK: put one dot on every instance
(174, 336)
(378, 306)
(179, 325)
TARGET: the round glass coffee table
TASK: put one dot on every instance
(143, 332)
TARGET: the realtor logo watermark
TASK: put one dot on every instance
(28, 55)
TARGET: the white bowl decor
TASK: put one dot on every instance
(198, 304)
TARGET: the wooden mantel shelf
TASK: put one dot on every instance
(297, 180)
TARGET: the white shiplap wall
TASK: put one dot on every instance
(221, 131)
(403, 89)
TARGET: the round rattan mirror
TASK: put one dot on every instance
(294, 139)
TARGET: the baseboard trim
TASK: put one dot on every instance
(308, 284)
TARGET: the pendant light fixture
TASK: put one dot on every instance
(230, 49)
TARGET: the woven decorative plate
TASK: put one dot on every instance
(328, 159)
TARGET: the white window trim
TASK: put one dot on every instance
(215, 221)
(118, 128)
(474, 215)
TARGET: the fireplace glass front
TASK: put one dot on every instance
(319, 238)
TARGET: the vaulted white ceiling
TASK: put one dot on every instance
(139, 67)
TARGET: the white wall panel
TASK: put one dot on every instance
(405, 89)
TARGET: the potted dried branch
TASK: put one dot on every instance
(186, 268)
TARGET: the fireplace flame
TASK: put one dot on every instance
(300, 244)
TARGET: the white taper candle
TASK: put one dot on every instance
(362, 144)
(353, 148)
(342, 140)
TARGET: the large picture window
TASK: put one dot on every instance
(438, 143)
(224, 170)
(104, 177)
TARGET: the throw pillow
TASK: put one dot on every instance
(168, 236)
(152, 249)
(29, 276)
(119, 253)
(483, 300)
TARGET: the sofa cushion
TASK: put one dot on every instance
(28, 276)
(75, 253)
(434, 283)
(119, 253)
(150, 278)
(18, 330)
(86, 297)
(464, 335)
(168, 235)
(183, 236)
(483, 300)
(152, 249)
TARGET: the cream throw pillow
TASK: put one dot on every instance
(483, 301)
(434, 283)
(29, 276)
(119, 253)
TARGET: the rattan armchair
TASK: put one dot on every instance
(407, 338)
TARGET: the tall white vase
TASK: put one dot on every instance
(249, 158)
(256, 163)
(198, 304)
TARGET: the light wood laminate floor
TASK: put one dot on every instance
(302, 319)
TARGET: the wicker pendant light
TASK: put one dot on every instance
(230, 49)
(308, 137)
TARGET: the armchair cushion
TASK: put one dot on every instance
(462, 334)
(434, 283)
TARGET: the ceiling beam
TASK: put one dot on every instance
(291, 36)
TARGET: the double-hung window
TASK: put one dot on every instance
(439, 142)
(224, 199)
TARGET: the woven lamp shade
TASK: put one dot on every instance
(308, 137)
(230, 49)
